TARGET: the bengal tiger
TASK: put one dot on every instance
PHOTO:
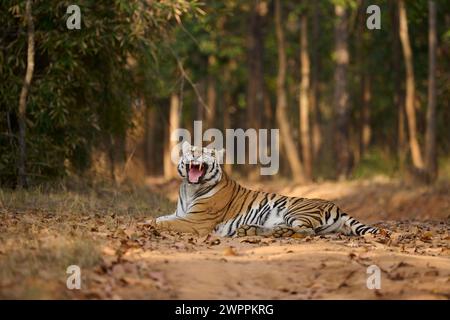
(210, 201)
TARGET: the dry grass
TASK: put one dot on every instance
(43, 232)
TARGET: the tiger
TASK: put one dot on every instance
(210, 202)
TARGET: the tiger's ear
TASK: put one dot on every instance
(220, 155)
(186, 147)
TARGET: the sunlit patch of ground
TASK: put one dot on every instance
(120, 257)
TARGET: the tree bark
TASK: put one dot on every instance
(150, 140)
(315, 70)
(211, 95)
(305, 134)
(364, 79)
(430, 137)
(255, 88)
(410, 88)
(398, 103)
(174, 123)
(366, 131)
(281, 108)
(340, 98)
(22, 180)
(227, 112)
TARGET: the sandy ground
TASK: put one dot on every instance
(332, 267)
(121, 257)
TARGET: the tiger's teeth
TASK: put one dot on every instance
(190, 165)
(201, 165)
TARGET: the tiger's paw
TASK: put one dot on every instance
(246, 230)
(302, 231)
(282, 231)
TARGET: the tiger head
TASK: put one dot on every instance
(200, 165)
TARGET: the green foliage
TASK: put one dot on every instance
(87, 82)
(84, 81)
(375, 162)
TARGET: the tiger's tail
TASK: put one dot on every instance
(354, 227)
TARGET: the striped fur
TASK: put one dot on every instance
(218, 203)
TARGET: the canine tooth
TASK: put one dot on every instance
(201, 165)
(190, 164)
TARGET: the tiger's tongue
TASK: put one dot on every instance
(194, 174)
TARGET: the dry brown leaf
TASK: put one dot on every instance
(109, 251)
(229, 252)
(251, 240)
(426, 236)
(298, 236)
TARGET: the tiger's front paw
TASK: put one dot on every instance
(282, 231)
(246, 230)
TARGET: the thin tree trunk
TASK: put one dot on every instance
(430, 138)
(410, 88)
(340, 102)
(150, 140)
(227, 109)
(305, 134)
(364, 79)
(401, 137)
(174, 123)
(281, 112)
(211, 95)
(315, 70)
(255, 89)
(366, 131)
(22, 180)
(200, 112)
(255, 84)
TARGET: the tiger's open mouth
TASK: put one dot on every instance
(195, 172)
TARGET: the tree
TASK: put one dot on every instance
(410, 87)
(315, 71)
(211, 93)
(397, 94)
(365, 90)
(430, 137)
(340, 97)
(150, 123)
(22, 114)
(305, 134)
(174, 123)
(255, 87)
(281, 107)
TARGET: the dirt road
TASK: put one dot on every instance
(122, 258)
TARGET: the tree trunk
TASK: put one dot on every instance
(430, 138)
(174, 123)
(340, 98)
(255, 89)
(364, 79)
(22, 180)
(150, 140)
(315, 70)
(200, 110)
(366, 131)
(210, 96)
(401, 137)
(305, 135)
(410, 88)
(281, 112)
(227, 111)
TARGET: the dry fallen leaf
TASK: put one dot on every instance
(109, 251)
(229, 252)
(298, 236)
(251, 240)
(426, 236)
